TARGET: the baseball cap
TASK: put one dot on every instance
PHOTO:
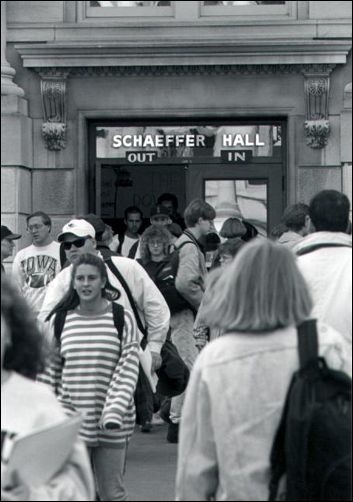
(159, 210)
(96, 222)
(80, 228)
(7, 234)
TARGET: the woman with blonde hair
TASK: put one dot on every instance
(238, 385)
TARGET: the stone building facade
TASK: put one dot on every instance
(71, 67)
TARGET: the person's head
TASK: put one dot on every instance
(251, 231)
(39, 227)
(231, 228)
(133, 218)
(22, 345)
(155, 243)
(107, 236)
(261, 290)
(7, 242)
(78, 237)
(296, 218)
(89, 278)
(160, 216)
(97, 223)
(170, 201)
(199, 215)
(329, 211)
(89, 282)
(229, 249)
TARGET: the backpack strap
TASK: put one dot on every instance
(122, 281)
(118, 318)
(121, 242)
(133, 250)
(314, 247)
(307, 342)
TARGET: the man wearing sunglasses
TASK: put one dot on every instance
(78, 237)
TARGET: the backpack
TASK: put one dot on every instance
(118, 318)
(312, 445)
(165, 282)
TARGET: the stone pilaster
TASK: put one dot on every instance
(16, 149)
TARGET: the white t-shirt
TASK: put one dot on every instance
(34, 267)
(127, 245)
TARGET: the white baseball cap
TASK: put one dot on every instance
(80, 228)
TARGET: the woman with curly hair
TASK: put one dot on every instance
(27, 406)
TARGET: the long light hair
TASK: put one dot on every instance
(261, 290)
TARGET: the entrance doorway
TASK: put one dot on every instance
(239, 168)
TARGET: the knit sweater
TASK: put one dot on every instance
(96, 374)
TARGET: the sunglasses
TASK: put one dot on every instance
(79, 243)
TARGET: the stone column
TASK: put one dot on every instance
(16, 149)
(8, 86)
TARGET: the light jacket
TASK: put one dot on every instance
(27, 406)
(290, 239)
(190, 279)
(152, 308)
(328, 272)
(233, 404)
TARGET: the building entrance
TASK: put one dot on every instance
(238, 168)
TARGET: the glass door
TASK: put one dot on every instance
(254, 193)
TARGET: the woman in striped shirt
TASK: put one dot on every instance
(95, 370)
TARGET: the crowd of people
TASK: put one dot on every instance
(85, 318)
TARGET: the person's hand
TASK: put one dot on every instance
(156, 361)
(18, 492)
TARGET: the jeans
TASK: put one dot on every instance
(182, 325)
(109, 469)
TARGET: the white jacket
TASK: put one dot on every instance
(28, 406)
(328, 272)
(150, 303)
(232, 408)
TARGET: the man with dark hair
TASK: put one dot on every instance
(325, 260)
(170, 201)
(126, 244)
(190, 282)
(296, 219)
(35, 266)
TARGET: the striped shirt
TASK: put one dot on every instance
(96, 374)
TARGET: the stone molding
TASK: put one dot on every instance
(53, 91)
(180, 70)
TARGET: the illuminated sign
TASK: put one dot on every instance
(138, 157)
(236, 156)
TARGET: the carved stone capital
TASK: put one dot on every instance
(317, 89)
(54, 135)
(317, 133)
(53, 92)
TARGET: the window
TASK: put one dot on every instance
(259, 9)
(128, 9)
(191, 141)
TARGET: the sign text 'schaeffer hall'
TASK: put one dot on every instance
(179, 140)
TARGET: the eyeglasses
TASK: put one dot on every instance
(155, 243)
(33, 228)
(79, 243)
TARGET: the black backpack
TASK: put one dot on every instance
(118, 317)
(165, 281)
(312, 446)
